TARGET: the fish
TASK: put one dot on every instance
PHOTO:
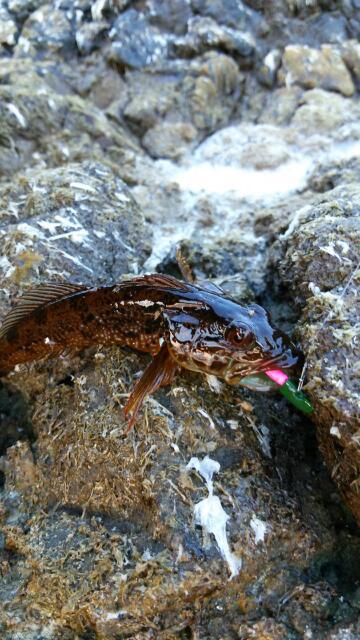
(179, 323)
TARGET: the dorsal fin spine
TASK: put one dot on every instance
(35, 299)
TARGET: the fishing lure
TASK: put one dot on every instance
(180, 324)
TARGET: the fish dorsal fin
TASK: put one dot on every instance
(35, 298)
(164, 281)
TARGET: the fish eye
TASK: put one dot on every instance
(238, 335)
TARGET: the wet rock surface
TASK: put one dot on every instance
(232, 128)
(321, 254)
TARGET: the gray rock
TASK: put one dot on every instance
(150, 98)
(350, 52)
(202, 93)
(204, 34)
(22, 8)
(78, 223)
(46, 32)
(90, 35)
(230, 12)
(329, 175)
(136, 44)
(327, 28)
(172, 16)
(280, 105)
(8, 28)
(321, 266)
(60, 128)
(169, 139)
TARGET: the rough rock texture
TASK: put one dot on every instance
(321, 265)
(53, 221)
(313, 68)
(126, 128)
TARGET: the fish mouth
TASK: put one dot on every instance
(236, 372)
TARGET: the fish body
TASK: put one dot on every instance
(179, 323)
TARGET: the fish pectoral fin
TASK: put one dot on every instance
(158, 373)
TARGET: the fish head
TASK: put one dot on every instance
(225, 339)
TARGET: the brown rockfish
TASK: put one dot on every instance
(179, 323)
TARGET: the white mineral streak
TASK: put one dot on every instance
(314, 288)
(30, 231)
(259, 528)
(83, 186)
(271, 59)
(97, 9)
(18, 115)
(114, 615)
(331, 251)
(209, 418)
(209, 513)
(334, 431)
(78, 236)
(214, 383)
(6, 267)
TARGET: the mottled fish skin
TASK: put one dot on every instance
(199, 329)
(128, 314)
(220, 337)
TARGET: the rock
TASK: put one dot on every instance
(101, 7)
(46, 32)
(350, 52)
(211, 90)
(169, 140)
(326, 28)
(22, 8)
(66, 127)
(89, 36)
(329, 175)
(172, 16)
(136, 44)
(204, 34)
(322, 112)
(229, 12)
(98, 533)
(150, 98)
(52, 222)
(8, 28)
(313, 68)
(109, 88)
(268, 70)
(246, 146)
(201, 93)
(127, 508)
(280, 106)
(320, 265)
